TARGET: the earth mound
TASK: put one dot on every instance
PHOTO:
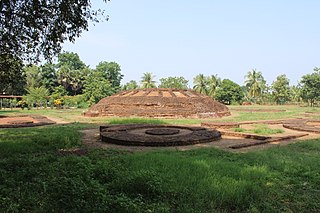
(158, 102)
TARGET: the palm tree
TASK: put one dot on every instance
(213, 83)
(147, 80)
(200, 84)
(64, 77)
(255, 83)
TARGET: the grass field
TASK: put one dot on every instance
(260, 129)
(34, 177)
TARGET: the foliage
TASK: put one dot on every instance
(207, 85)
(213, 83)
(96, 87)
(147, 80)
(70, 60)
(12, 79)
(130, 85)
(281, 89)
(200, 84)
(58, 92)
(33, 76)
(30, 29)
(71, 72)
(37, 96)
(174, 82)
(78, 101)
(310, 85)
(111, 72)
(255, 84)
(295, 92)
(49, 76)
(229, 92)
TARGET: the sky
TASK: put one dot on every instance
(227, 38)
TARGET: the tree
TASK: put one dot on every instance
(147, 80)
(36, 95)
(71, 72)
(130, 85)
(70, 60)
(229, 92)
(174, 82)
(32, 28)
(255, 83)
(295, 92)
(213, 83)
(310, 85)
(12, 79)
(49, 76)
(33, 76)
(111, 72)
(58, 92)
(281, 89)
(96, 87)
(200, 84)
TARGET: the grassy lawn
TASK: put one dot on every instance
(74, 115)
(34, 177)
(260, 129)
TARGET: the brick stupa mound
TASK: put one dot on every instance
(159, 103)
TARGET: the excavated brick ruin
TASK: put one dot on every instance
(158, 102)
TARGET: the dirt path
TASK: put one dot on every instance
(58, 120)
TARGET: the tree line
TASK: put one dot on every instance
(71, 82)
(254, 89)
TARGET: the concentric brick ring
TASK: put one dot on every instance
(162, 131)
(161, 135)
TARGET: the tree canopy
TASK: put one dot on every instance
(255, 83)
(147, 80)
(174, 82)
(310, 85)
(130, 85)
(11, 75)
(112, 72)
(229, 92)
(30, 29)
(281, 89)
(200, 84)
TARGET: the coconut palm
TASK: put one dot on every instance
(213, 83)
(201, 84)
(255, 83)
(147, 80)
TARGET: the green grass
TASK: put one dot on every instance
(75, 115)
(34, 177)
(260, 129)
(136, 121)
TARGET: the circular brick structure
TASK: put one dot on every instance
(24, 121)
(156, 135)
(162, 131)
(159, 102)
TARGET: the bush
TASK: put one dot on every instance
(75, 101)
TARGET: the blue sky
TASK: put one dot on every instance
(223, 37)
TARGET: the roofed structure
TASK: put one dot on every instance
(158, 102)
